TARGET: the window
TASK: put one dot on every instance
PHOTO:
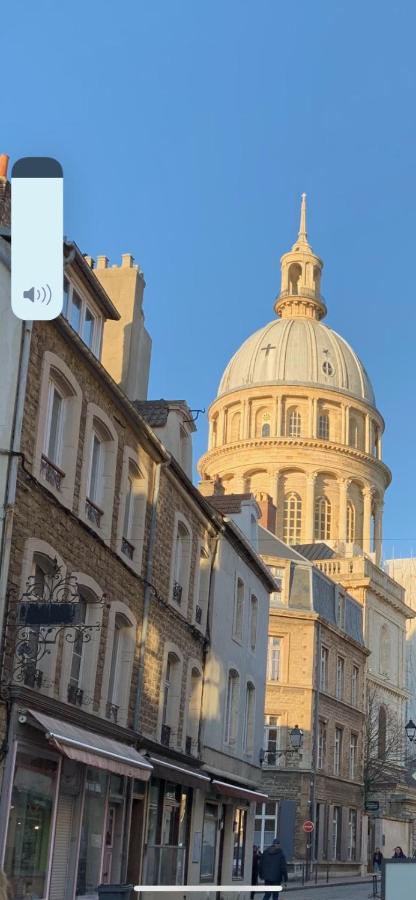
(382, 732)
(98, 476)
(265, 824)
(265, 429)
(238, 618)
(194, 711)
(352, 834)
(323, 426)
(122, 652)
(75, 693)
(181, 565)
(353, 755)
(239, 848)
(323, 679)
(322, 745)
(273, 659)
(209, 842)
(132, 514)
(203, 587)
(249, 716)
(336, 832)
(262, 424)
(354, 433)
(54, 425)
(235, 425)
(272, 741)
(292, 518)
(171, 693)
(337, 751)
(350, 523)
(294, 423)
(254, 608)
(327, 367)
(340, 678)
(82, 317)
(322, 519)
(95, 481)
(59, 412)
(231, 708)
(354, 685)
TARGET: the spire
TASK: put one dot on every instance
(303, 235)
(300, 293)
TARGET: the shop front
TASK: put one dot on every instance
(69, 796)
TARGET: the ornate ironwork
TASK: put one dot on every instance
(127, 548)
(93, 512)
(177, 593)
(51, 472)
(47, 609)
(111, 711)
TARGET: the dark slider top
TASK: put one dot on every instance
(37, 167)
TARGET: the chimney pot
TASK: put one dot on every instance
(102, 262)
(127, 260)
(4, 163)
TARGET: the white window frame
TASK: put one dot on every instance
(263, 817)
(353, 755)
(53, 388)
(323, 668)
(85, 304)
(274, 658)
(239, 610)
(340, 678)
(338, 750)
(355, 675)
(292, 518)
(294, 423)
(323, 426)
(232, 701)
(322, 744)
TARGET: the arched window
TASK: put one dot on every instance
(292, 518)
(81, 678)
(119, 682)
(99, 469)
(249, 716)
(254, 608)
(214, 433)
(385, 650)
(323, 426)
(171, 694)
(350, 522)
(382, 732)
(181, 565)
(238, 618)
(132, 510)
(263, 423)
(194, 711)
(295, 273)
(322, 519)
(265, 429)
(60, 402)
(235, 425)
(204, 577)
(231, 707)
(294, 425)
(354, 435)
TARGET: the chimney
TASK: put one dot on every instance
(126, 343)
(268, 512)
(4, 163)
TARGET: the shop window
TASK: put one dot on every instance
(322, 519)
(292, 518)
(232, 707)
(28, 845)
(265, 824)
(168, 824)
(249, 718)
(274, 658)
(239, 846)
(92, 833)
(182, 564)
(209, 842)
(238, 617)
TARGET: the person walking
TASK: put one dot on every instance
(255, 867)
(398, 853)
(273, 868)
(377, 860)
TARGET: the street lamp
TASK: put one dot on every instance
(296, 738)
(269, 757)
(410, 730)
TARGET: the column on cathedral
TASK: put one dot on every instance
(368, 509)
(378, 529)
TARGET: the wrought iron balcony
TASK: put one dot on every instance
(165, 735)
(198, 614)
(75, 694)
(93, 512)
(127, 548)
(177, 593)
(51, 473)
(112, 711)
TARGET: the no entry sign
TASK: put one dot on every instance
(308, 826)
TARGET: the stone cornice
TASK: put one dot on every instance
(301, 443)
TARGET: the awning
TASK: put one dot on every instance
(180, 773)
(93, 749)
(234, 790)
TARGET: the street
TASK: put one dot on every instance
(338, 892)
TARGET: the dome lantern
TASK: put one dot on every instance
(301, 278)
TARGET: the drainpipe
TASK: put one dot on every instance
(208, 635)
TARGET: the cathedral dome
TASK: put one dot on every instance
(297, 351)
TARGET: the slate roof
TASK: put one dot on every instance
(227, 504)
(314, 551)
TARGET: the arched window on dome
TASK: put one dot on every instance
(265, 429)
(235, 425)
(292, 518)
(323, 426)
(322, 519)
(263, 419)
(350, 522)
(295, 272)
(294, 423)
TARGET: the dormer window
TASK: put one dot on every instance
(83, 317)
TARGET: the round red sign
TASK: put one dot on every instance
(308, 826)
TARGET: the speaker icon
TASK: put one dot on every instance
(44, 294)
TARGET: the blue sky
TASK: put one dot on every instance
(188, 130)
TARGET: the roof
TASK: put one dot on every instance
(297, 351)
(314, 551)
(156, 412)
(227, 504)
(73, 256)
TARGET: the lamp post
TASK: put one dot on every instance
(410, 730)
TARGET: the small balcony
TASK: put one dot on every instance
(165, 735)
(51, 473)
(177, 593)
(93, 513)
(75, 694)
(127, 548)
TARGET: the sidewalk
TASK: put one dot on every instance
(333, 882)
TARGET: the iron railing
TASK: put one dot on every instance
(93, 512)
(127, 548)
(51, 473)
(177, 593)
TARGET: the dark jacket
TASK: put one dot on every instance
(272, 866)
(255, 867)
(377, 859)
